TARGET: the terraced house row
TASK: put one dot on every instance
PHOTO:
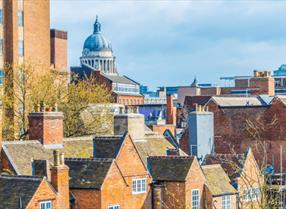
(134, 168)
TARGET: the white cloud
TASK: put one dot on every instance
(168, 42)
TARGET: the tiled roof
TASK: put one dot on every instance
(107, 146)
(21, 153)
(169, 168)
(232, 164)
(234, 101)
(87, 173)
(154, 145)
(16, 189)
(218, 181)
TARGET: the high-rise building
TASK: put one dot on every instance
(25, 36)
(25, 31)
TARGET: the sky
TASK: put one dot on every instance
(168, 43)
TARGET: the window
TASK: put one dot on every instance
(114, 207)
(21, 48)
(251, 194)
(226, 202)
(138, 186)
(20, 18)
(195, 199)
(46, 205)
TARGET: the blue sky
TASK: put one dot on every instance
(168, 43)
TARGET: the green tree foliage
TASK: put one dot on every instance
(35, 84)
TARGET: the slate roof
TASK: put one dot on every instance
(169, 168)
(107, 146)
(120, 79)
(232, 164)
(21, 153)
(87, 173)
(12, 188)
(235, 101)
(218, 181)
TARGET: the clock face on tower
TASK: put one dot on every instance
(85, 52)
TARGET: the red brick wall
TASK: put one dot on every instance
(5, 164)
(60, 181)
(37, 31)
(178, 195)
(47, 126)
(210, 91)
(44, 193)
(162, 128)
(59, 49)
(87, 199)
(195, 180)
(129, 170)
(265, 85)
(184, 142)
(173, 195)
(236, 129)
(171, 111)
(113, 189)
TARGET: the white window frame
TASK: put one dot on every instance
(138, 187)
(195, 198)
(251, 194)
(43, 204)
(226, 202)
(116, 206)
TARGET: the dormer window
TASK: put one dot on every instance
(46, 205)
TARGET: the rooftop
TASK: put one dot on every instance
(232, 164)
(16, 189)
(87, 173)
(218, 181)
(169, 168)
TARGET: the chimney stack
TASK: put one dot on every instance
(60, 180)
(47, 127)
(201, 132)
(171, 110)
(157, 196)
(131, 122)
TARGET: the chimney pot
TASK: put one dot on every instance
(56, 158)
(62, 158)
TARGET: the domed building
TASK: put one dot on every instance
(97, 51)
(98, 61)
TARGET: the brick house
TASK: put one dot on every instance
(244, 174)
(241, 122)
(178, 182)
(258, 122)
(219, 192)
(27, 192)
(96, 183)
(131, 166)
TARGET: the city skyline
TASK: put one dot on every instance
(182, 39)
